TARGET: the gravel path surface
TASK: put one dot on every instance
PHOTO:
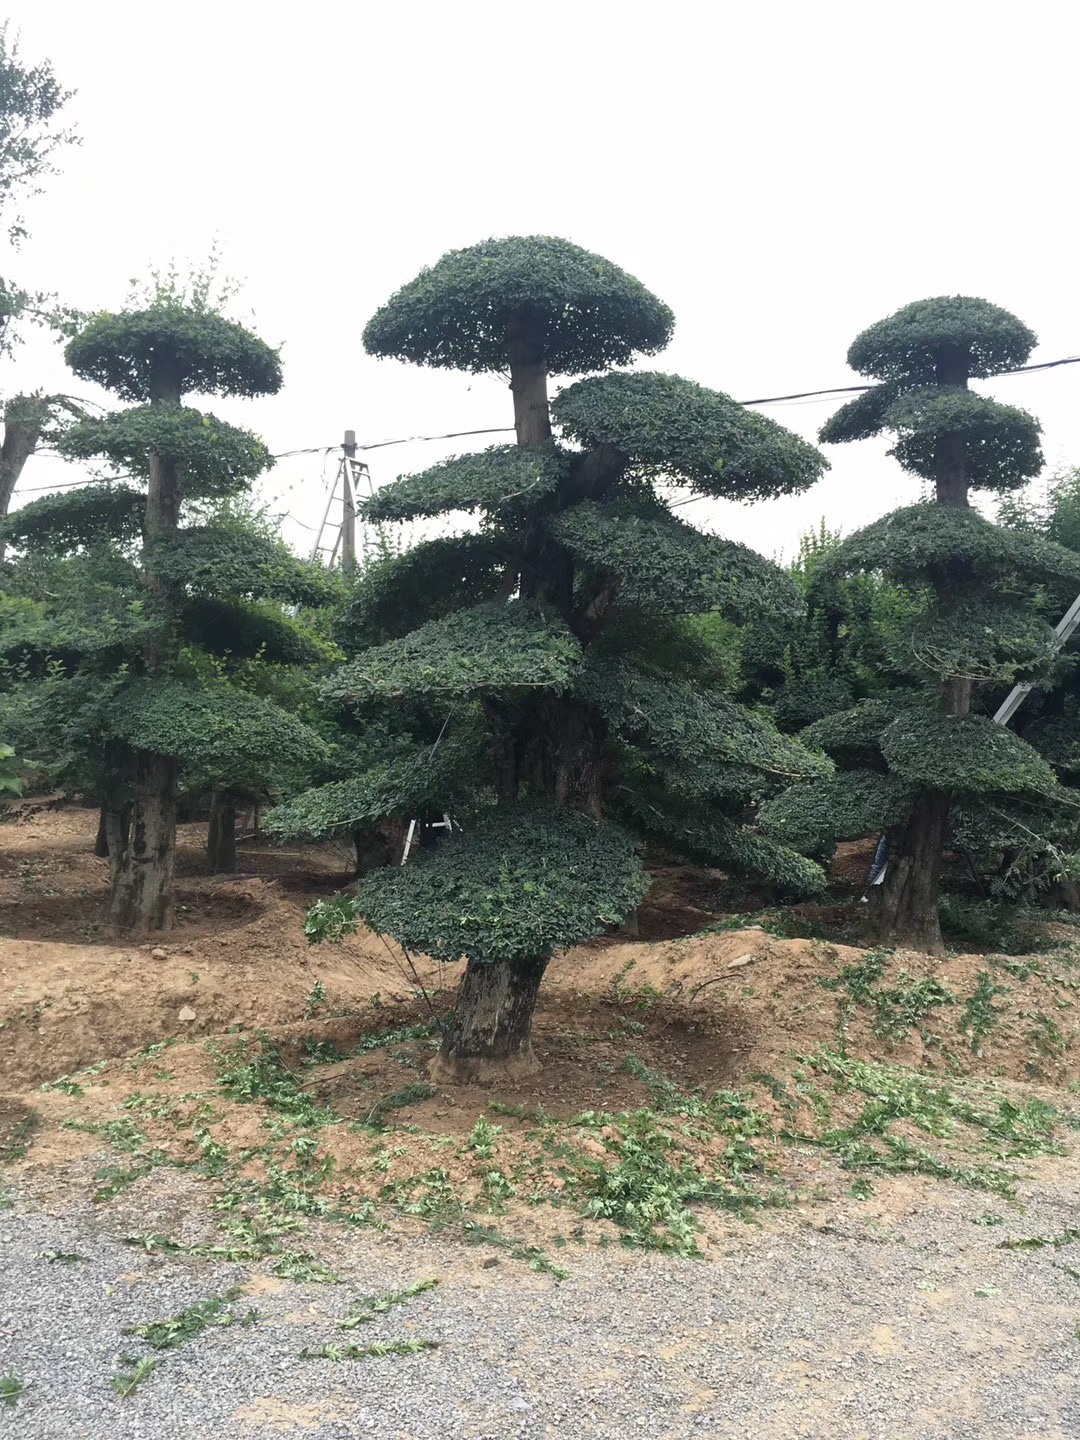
(832, 1323)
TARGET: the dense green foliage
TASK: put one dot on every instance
(217, 460)
(519, 883)
(673, 428)
(575, 310)
(488, 647)
(909, 345)
(492, 479)
(397, 594)
(198, 349)
(222, 736)
(89, 515)
(668, 567)
(1001, 442)
(905, 544)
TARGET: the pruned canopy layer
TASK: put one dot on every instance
(215, 459)
(575, 311)
(488, 647)
(199, 349)
(490, 479)
(674, 428)
(520, 883)
(672, 568)
(909, 345)
(965, 753)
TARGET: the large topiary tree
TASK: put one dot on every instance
(977, 613)
(138, 600)
(550, 627)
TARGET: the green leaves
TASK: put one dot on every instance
(906, 543)
(673, 428)
(220, 734)
(693, 735)
(85, 516)
(393, 596)
(234, 559)
(489, 647)
(966, 753)
(504, 477)
(520, 883)
(10, 768)
(910, 344)
(1001, 442)
(572, 311)
(810, 817)
(215, 459)
(398, 788)
(668, 567)
(201, 350)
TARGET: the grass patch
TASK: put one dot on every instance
(364, 1311)
(536, 1258)
(216, 1312)
(12, 1389)
(369, 1352)
(126, 1382)
(19, 1137)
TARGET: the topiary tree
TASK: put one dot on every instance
(977, 619)
(559, 625)
(141, 602)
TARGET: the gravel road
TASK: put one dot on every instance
(899, 1318)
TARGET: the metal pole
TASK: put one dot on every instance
(348, 502)
(1019, 693)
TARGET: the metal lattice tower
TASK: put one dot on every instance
(339, 526)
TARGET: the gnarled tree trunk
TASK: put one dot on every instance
(491, 1032)
(24, 419)
(221, 834)
(142, 898)
(904, 907)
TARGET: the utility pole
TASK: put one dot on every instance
(348, 512)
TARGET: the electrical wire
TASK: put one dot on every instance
(325, 450)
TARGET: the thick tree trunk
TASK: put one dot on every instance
(491, 1032)
(904, 907)
(117, 834)
(24, 417)
(528, 385)
(142, 898)
(221, 834)
(101, 840)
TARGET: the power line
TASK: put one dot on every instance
(325, 450)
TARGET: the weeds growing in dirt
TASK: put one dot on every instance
(62, 1257)
(980, 1013)
(315, 1000)
(534, 1256)
(369, 1352)
(364, 1311)
(898, 1096)
(126, 1382)
(19, 1137)
(1069, 1236)
(12, 1388)
(190, 1323)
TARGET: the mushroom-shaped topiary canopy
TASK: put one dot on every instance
(670, 426)
(194, 350)
(213, 457)
(519, 883)
(574, 310)
(1001, 441)
(910, 344)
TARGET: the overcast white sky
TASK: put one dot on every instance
(782, 174)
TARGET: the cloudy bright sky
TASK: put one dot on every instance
(782, 174)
